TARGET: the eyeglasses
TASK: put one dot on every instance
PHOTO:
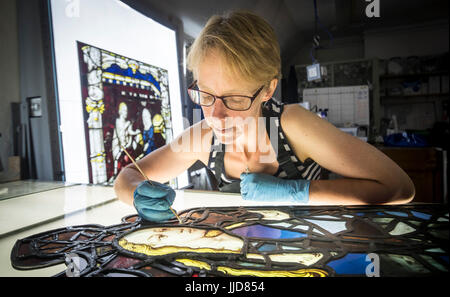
(233, 102)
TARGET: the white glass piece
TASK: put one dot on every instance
(401, 228)
(281, 224)
(301, 227)
(325, 217)
(317, 231)
(290, 248)
(185, 237)
(272, 214)
(382, 220)
(436, 250)
(305, 259)
(330, 226)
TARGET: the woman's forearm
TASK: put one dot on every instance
(125, 184)
(348, 191)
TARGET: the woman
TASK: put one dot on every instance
(236, 66)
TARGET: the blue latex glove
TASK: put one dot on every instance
(264, 187)
(152, 201)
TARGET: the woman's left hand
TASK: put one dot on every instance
(264, 187)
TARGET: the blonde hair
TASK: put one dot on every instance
(247, 43)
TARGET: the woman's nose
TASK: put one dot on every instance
(220, 111)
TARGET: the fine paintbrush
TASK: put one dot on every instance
(145, 176)
(247, 170)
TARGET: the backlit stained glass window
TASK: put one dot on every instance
(126, 106)
(293, 241)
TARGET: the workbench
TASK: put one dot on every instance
(88, 224)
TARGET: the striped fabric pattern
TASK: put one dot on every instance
(308, 170)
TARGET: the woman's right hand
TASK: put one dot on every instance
(152, 201)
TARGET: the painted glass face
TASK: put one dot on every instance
(255, 241)
(169, 240)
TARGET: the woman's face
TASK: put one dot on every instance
(213, 77)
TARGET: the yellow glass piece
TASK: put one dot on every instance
(194, 263)
(234, 225)
(213, 233)
(255, 256)
(158, 121)
(260, 273)
(273, 273)
(148, 250)
(140, 139)
(97, 160)
(100, 108)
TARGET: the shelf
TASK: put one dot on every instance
(412, 75)
(414, 96)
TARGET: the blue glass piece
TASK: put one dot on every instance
(261, 231)
(350, 264)
(421, 215)
(267, 247)
(116, 69)
(445, 258)
(360, 214)
(290, 248)
(248, 264)
(397, 213)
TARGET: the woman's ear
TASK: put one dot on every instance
(270, 90)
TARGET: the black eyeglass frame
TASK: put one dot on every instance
(252, 98)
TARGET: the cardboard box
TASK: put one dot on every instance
(12, 173)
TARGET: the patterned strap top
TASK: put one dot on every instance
(290, 167)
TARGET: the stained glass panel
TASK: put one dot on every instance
(297, 241)
(126, 105)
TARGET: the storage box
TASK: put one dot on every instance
(12, 173)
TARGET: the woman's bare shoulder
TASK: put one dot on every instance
(304, 130)
(293, 117)
(293, 111)
(298, 120)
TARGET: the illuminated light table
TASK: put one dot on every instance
(298, 241)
